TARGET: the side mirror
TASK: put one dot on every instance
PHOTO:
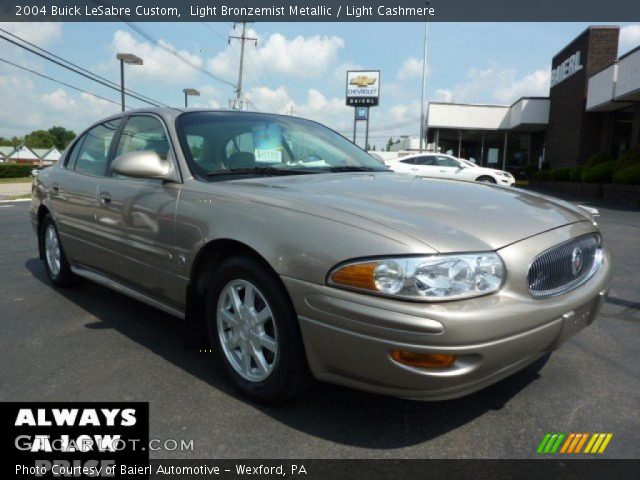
(145, 164)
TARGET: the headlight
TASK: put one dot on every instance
(428, 278)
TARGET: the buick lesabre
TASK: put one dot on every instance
(300, 256)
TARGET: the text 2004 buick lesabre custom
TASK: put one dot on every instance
(305, 257)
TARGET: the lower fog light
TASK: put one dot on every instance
(423, 360)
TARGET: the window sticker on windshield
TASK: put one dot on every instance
(270, 156)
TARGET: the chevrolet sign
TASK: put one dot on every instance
(363, 88)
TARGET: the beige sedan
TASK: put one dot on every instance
(293, 254)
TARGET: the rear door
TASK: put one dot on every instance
(406, 165)
(427, 165)
(74, 192)
(136, 217)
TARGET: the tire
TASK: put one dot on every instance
(55, 261)
(486, 179)
(259, 343)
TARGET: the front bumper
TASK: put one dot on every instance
(349, 336)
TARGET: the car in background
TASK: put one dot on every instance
(447, 166)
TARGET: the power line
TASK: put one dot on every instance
(79, 72)
(79, 67)
(169, 49)
(252, 64)
(58, 81)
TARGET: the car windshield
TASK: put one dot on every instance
(217, 144)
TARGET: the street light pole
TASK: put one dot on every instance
(424, 85)
(122, 84)
(189, 92)
(131, 60)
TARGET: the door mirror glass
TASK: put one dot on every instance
(142, 164)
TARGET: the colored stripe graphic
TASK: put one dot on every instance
(573, 443)
(543, 443)
(581, 443)
(550, 443)
(568, 442)
(598, 442)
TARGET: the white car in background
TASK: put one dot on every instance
(446, 166)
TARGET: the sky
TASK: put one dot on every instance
(295, 66)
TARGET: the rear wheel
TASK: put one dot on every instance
(55, 261)
(486, 179)
(255, 331)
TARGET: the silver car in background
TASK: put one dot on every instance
(297, 255)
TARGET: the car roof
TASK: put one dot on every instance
(176, 111)
(423, 154)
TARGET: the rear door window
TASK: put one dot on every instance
(427, 160)
(91, 153)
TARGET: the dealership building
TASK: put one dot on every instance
(593, 106)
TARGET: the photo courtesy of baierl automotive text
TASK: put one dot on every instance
(320, 239)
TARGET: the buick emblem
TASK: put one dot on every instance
(576, 260)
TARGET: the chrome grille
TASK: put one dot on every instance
(559, 270)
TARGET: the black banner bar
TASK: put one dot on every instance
(569, 469)
(317, 10)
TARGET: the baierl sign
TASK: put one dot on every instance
(567, 68)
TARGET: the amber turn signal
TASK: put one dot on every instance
(358, 275)
(423, 360)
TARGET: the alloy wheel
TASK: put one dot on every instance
(247, 330)
(52, 250)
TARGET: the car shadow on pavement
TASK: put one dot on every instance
(329, 412)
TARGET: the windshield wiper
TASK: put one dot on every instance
(258, 171)
(346, 168)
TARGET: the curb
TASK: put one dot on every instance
(16, 200)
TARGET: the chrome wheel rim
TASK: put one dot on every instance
(247, 330)
(52, 250)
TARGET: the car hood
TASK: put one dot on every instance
(447, 215)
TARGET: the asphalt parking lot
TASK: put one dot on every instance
(91, 344)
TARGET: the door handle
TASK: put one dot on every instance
(105, 198)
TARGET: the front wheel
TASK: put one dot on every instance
(486, 179)
(255, 331)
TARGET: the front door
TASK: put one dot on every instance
(448, 167)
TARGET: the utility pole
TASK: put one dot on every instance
(243, 38)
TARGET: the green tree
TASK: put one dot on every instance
(11, 142)
(62, 137)
(389, 143)
(39, 139)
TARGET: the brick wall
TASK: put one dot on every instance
(574, 135)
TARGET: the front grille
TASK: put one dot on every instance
(565, 266)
